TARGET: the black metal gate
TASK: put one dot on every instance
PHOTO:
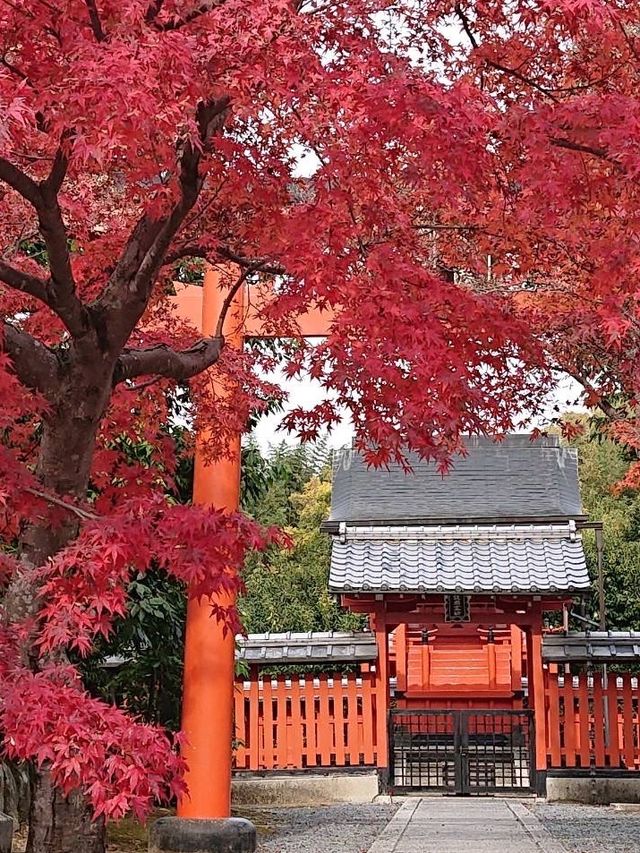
(461, 752)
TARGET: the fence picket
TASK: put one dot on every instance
(353, 734)
(267, 725)
(254, 725)
(627, 722)
(325, 723)
(239, 719)
(584, 714)
(613, 745)
(368, 731)
(554, 717)
(598, 722)
(569, 697)
(295, 740)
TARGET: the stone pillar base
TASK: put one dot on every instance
(187, 835)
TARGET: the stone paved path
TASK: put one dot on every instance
(450, 825)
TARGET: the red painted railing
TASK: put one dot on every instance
(593, 721)
(289, 723)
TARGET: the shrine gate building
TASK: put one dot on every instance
(456, 574)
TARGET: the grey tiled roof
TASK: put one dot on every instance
(470, 559)
(516, 478)
(310, 647)
(594, 646)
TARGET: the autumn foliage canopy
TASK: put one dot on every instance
(457, 180)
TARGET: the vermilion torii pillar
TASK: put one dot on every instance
(207, 713)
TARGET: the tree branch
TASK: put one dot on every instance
(35, 365)
(164, 362)
(466, 26)
(60, 292)
(25, 283)
(129, 288)
(13, 69)
(58, 172)
(511, 72)
(252, 264)
(613, 413)
(94, 17)
(63, 296)
(227, 254)
(19, 181)
(153, 11)
(84, 514)
(600, 153)
(196, 13)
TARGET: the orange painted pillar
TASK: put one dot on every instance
(209, 658)
(537, 698)
(382, 688)
(401, 657)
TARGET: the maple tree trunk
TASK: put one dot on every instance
(59, 824)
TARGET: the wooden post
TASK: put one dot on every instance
(535, 677)
(401, 656)
(516, 658)
(209, 664)
(382, 689)
(491, 659)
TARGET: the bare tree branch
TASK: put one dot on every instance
(35, 365)
(60, 165)
(63, 296)
(511, 72)
(13, 69)
(191, 251)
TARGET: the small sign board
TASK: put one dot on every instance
(457, 608)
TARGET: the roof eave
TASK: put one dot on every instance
(332, 525)
(513, 592)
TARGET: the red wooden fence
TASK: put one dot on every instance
(593, 721)
(292, 723)
(287, 723)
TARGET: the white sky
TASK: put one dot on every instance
(306, 392)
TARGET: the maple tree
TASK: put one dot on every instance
(141, 134)
(565, 236)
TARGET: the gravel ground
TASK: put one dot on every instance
(324, 829)
(591, 829)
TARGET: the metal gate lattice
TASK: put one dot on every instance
(461, 752)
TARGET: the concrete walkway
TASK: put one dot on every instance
(456, 825)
